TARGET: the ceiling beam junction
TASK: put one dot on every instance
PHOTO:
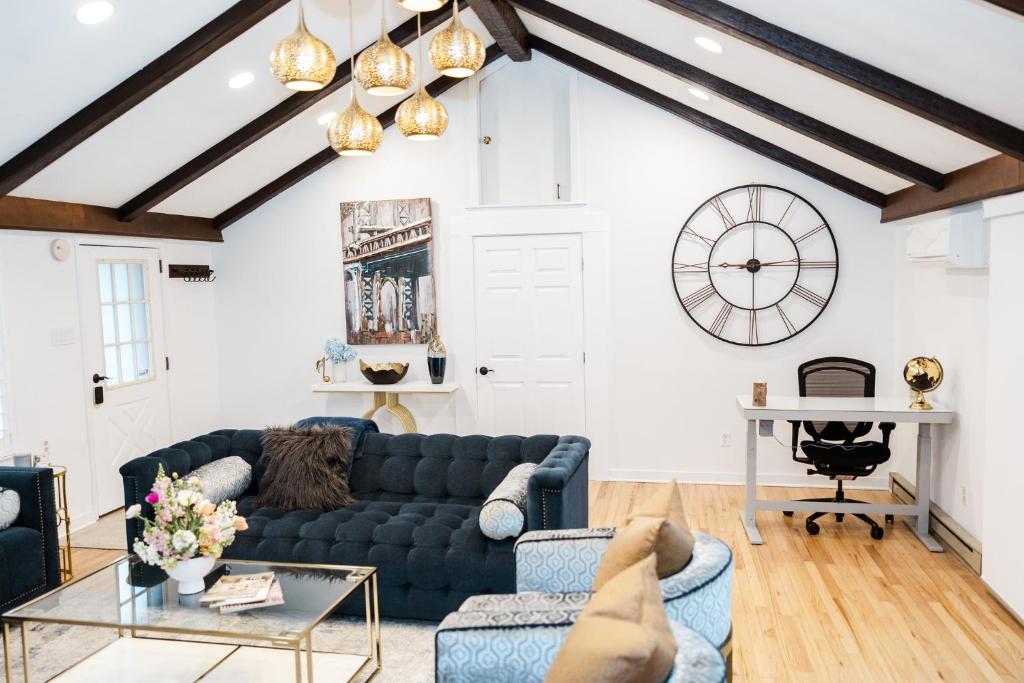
(505, 26)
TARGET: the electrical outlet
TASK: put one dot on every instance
(726, 440)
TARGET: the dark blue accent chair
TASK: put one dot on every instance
(29, 556)
(416, 515)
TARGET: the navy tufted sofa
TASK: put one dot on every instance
(29, 559)
(416, 516)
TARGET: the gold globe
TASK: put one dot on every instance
(355, 132)
(421, 117)
(421, 5)
(456, 51)
(922, 374)
(301, 61)
(384, 68)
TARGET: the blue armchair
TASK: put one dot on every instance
(29, 556)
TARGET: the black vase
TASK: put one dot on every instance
(437, 359)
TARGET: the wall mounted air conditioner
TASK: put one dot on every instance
(958, 240)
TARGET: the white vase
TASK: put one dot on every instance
(190, 573)
(339, 372)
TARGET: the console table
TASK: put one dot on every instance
(386, 396)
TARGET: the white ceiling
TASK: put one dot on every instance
(965, 49)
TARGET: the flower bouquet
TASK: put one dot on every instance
(188, 532)
(339, 353)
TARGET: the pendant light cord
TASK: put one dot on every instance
(419, 45)
(352, 51)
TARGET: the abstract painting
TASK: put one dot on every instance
(387, 255)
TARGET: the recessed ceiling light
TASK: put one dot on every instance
(699, 94)
(708, 44)
(94, 12)
(241, 80)
(326, 118)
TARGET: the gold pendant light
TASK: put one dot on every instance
(354, 132)
(421, 117)
(384, 68)
(456, 51)
(301, 61)
(422, 5)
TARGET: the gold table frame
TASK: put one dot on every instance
(302, 642)
(60, 485)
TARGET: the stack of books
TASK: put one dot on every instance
(244, 592)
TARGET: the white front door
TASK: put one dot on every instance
(123, 346)
(529, 334)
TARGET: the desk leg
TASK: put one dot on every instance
(919, 523)
(748, 517)
(389, 402)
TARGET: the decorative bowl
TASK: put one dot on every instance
(384, 373)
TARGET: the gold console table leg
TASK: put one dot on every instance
(389, 402)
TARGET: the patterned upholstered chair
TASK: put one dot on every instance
(555, 569)
(519, 647)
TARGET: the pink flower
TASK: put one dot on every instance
(153, 498)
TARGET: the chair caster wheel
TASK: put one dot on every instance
(889, 519)
(877, 532)
(788, 513)
(840, 516)
(813, 528)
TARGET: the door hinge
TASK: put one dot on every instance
(161, 263)
(167, 362)
(584, 357)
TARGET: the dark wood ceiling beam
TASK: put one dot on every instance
(709, 123)
(1015, 6)
(897, 91)
(822, 132)
(324, 157)
(219, 32)
(505, 26)
(24, 213)
(992, 177)
(262, 125)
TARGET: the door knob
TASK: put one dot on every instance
(97, 378)
(487, 139)
(485, 370)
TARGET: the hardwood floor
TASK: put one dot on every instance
(87, 560)
(840, 606)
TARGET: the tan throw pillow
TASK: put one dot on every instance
(621, 636)
(665, 503)
(643, 536)
(306, 468)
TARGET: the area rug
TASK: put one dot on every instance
(107, 533)
(408, 647)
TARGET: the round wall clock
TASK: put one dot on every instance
(755, 265)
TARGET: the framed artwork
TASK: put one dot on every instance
(387, 255)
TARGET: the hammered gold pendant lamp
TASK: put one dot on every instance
(354, 132)
(456, 51)
(301, 61)
(384, 68)
(421, 117)
(422, 5)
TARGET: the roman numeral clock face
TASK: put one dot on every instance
(755, 265)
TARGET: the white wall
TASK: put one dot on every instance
(943, 312)
(47, 385)
(281, 295)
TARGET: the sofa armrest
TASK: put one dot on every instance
(504, 647)
(558, 491)
(559, 561)
(38, 511)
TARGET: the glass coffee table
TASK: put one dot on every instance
(172, 637)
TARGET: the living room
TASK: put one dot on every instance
(713, 264)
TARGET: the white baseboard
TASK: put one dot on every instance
(877, 483)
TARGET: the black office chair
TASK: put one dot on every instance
(833, 450)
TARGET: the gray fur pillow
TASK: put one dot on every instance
(10, 506)
(306, 468)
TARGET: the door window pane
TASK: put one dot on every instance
(106, 290)
(136, 282)
(142, 358)
(140, 322)
(107, 314)
(127, 363)
(124, 323)
(121, 282)
(111, 370)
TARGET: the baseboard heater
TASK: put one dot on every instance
(943, 527)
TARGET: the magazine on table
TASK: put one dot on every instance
(241, 589)
(274, 597)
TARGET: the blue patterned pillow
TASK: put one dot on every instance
(10, 506)
(504, 512)
(224, 479)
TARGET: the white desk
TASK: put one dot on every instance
(844, 410)
(386, 396)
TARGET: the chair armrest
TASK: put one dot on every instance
(562, 561)
(886, 428)
(38, 511)
(558, 491)
(492, 646)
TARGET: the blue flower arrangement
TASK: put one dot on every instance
(338, 351)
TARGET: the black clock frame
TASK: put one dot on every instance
(828, 228)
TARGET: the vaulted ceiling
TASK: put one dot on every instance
(903, 93)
